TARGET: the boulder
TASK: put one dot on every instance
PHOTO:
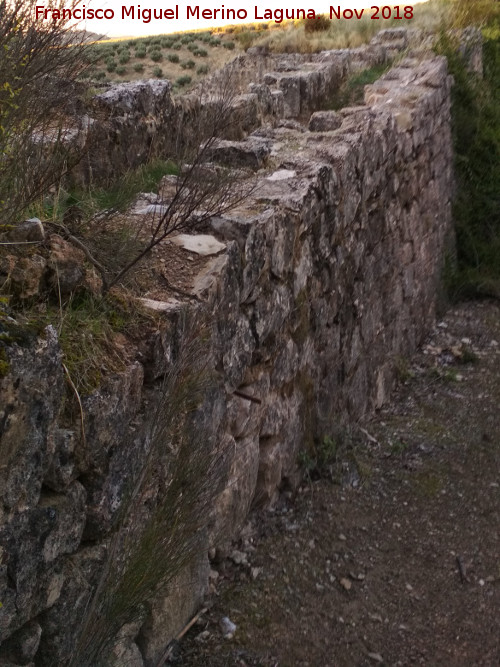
(324, 121)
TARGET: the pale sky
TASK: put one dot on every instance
(118, 26)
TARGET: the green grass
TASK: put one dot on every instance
(351, 93)
(118, 196)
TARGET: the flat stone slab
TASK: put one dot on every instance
(282, 175)
(161, 306)
(201, 244)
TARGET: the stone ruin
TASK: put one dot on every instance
(318, 284)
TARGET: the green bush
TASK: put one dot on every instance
(173, 57)
(192, 47)
(100, 75)
(188, 64)
(183, 80)
(121, 70)
(200, 53)
(139, 67)
(228, 45)
(158, 72)
(177, 46)
(202, 69)
(140, 54)
(476, 138)
(124, 58)
(111, 65)
(156, 56)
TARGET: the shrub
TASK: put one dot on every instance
(319, 24)
(167, 43)
(215, 42)
(140, 54)
(156, 56)
(111, 65)
(228, 45)
(188, 64)
(173, 57)
(202, 69)
(192, 47)
(183, 80)
(158, 72)
(121, 71)
(139, 67)
(37, 90)
(100, 75)
(476, 138)
(124, 58)
(246, 39)
(177, 46)
(200, 53)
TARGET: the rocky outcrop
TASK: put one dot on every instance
(324, 277)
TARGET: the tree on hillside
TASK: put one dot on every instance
(39, 66)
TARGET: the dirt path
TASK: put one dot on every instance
(392, 557)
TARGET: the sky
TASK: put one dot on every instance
(120, 26)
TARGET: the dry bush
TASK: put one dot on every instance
(188, 472)
(39, 68)
(319, 24)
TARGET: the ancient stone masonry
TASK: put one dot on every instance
(131, 122)
(328, 275)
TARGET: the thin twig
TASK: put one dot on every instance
(181, 634)
(253, 399)
(20, 242)
(72, 385)
(462, 571)
(369, 437)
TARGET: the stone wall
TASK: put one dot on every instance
(329, 275)
(132, 122)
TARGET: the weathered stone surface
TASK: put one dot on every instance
(324, 121)
(144, 97)
(67, 264)
(28, 416)
(30, 230)
(22, 646)
(251, 153)
(62, 469)
(26, 275)
(169, 611)
(32, 542)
